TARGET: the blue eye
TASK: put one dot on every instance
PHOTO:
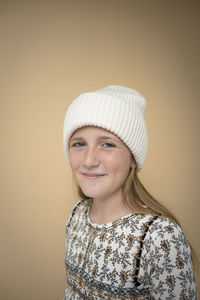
(108, 145)
(78, 145)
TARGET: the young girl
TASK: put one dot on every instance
(120, 242)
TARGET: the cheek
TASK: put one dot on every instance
(118, 163)
(74, 160)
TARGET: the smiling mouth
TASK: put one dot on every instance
(92, 175)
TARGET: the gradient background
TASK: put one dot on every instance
(51, 51)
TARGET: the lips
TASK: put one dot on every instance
(93, 175)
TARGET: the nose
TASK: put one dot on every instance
(91, 158)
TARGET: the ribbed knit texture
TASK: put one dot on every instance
(115, 108)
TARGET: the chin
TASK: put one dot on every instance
(91, 194)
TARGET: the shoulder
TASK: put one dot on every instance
(80, 205)
(158, 227)
(165, 229)
(159, 233)
(79, 208)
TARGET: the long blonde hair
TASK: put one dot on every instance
(140, 200)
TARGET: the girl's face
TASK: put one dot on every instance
(100, 162)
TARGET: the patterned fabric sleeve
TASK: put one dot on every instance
(166, 262)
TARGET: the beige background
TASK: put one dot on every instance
(51, 51)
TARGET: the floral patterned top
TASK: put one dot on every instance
(136, 257)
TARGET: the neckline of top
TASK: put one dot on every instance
(109, 224)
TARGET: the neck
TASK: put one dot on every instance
(108, 210)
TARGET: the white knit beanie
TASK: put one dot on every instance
(115, 108)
